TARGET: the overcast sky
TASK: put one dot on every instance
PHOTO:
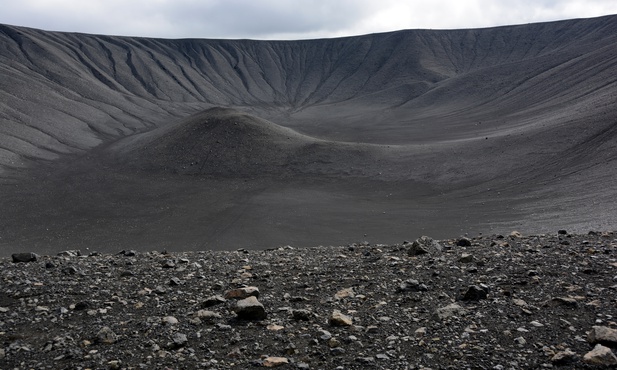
(285, 19)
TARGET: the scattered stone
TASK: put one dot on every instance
(449, 311)
(242, 293)
(333, 343)
(463, 242)
(466, 258)
(564, 357)
(213, 301)
(207, 315)
(344, 293)
(424, 245)
(250, 309)
(366, 360)
(301, 315)
(339, 319)
(515, 235)
(600, 355)
(275, 361)
(412, 285)
(520, 341)
(168, 264)
(475, 293)
(603, 335)
(71, 270)
(83, 305)
(563, 301)
(179, 340)
(24, 257)
(71, 253)
(170, 320)
(106, 336)
(174, 281)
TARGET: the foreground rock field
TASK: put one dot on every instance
(487, 302)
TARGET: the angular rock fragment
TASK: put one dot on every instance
(24, 257)
(562, 301)
(424, 245)
(242, 293)
(207, 315)
(275, 361)
(603, 335)
(411, 285)
(475, 293)
(564, 357)
(70, 253)
(339, 319)
(301, 315)
(449, 311)
(106, 336)
(250, 309)
(344, 293)
(466, 258)
(213, 301)
(463, 242)
(179, 340)
(600, 355)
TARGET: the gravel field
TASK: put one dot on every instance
(484, 302)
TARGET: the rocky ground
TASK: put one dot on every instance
(488, 302)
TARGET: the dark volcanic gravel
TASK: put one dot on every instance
(490, 302)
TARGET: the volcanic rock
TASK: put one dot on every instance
(600, 355)
(250, 309)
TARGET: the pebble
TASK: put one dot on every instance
(603, 335)
(450, 311)
(170, 320)
(106, 336)
(275, 361)
(339, 319)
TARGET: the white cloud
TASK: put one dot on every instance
(285, 19)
